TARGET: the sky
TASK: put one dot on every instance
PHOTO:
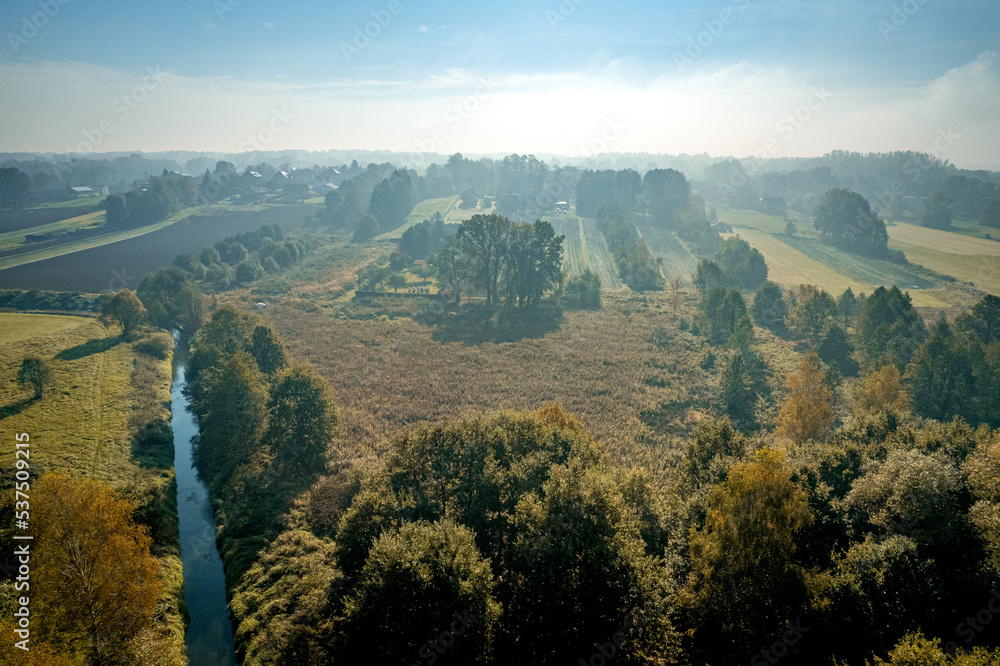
(772, 78)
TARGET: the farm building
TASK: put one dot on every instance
(80, 192)
(253, 195)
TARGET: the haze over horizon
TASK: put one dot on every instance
(773, 78)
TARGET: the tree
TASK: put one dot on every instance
(532, 263)
(93, 572)
(846, 218)
(454, 267)
(392, 199)
(367, 229)
(233, 252)
(676, 295)
(769, 307)
(942, 378)
(882, 390)
(584, 291)
(15, 188)
(302, 419)
(991, 216)
(709, 276)
(172, 299)
(484, 239)
(937, 211)
(419, 584)
(744, 382)
(836, 350)
(889, 328)
(248, 270)
(267, 350)
(34, 373)
(117, 210)
(667, 193)
(811, 313)
(723, 310)
(790, 228)
(983, 321)
(744, 582)
(807, 413)
(232, 416)
(745, 263)
(125, 308)
(209, 255)
(847, 306)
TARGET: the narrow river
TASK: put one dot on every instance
(209, 637)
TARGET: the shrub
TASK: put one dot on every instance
(156, 345)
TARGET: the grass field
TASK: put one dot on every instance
(804, 259)
(966, 258)
(585, 247)
(676, 259)
(422, 211)
(84, 421)
(12, 239)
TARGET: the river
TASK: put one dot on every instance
(209, 638)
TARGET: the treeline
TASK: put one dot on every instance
(39, 299)
(637, 266)
(662, 198)
(150, 204)
(900, 184)
(264, 427)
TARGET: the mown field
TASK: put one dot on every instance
(805, 259)
(423, 211)
(968, 259)
(124, 263)
(676, 259)
(585, 247)
(83, 423)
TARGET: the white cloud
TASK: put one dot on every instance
(422, 28)
(269, 25)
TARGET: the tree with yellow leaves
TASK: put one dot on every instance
(882, 390)
(807, 412)
(97, 584)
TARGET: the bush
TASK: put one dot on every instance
(584, 291)
(156, 345)
(248, 270)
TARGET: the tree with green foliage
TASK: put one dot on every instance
(125, 308)
(454, 267)
(991, 216)
(745, 263)
(584, 291)
(248, 270)
(34, 373)
(889, 329)
(232, 252)
(232, 417)
(723, 310)
(15, 188)
(424, 591)
(837, 351)
(667, 193)
(943, 376)
(533, 263)
(744, 382)
(367, 229)
(302, 419)
(983, 320)
(267, 350)
(745, 583)
(847, 219)
(847, 307)
(811, 313)
(392, 199)
(172, 299)
(936, 213)
(709, 276)
(485, 240)
(279, 602)
(769, 308)
(209, 255)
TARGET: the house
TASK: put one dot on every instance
(297, 191)
(279, 180)
(253, 195)
(562, 206)
(773, 205)
(322, 189)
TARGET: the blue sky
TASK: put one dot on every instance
(516, 76)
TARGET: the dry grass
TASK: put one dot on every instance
(638, 398)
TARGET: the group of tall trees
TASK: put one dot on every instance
(148, 205)
(637, 266)
(518, 262)
(264, 427)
